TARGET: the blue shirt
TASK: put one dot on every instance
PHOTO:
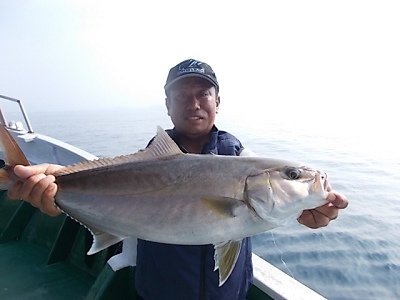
(167, 271)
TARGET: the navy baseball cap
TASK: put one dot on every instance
(191, 68)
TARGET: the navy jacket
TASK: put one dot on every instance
(166, 271)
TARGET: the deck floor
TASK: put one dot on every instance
(56, 281)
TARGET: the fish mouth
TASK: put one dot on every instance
(320, 182)
(326, 185)
(324, 178)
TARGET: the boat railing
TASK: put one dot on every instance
(22, 109)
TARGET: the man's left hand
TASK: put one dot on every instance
(322, 215)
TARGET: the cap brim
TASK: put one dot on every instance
(169, 84)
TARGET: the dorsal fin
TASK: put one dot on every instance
(162, 146)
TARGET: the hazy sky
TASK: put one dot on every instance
(308, 62)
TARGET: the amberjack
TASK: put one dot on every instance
(161, 194)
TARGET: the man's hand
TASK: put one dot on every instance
(321, 216)
(35, 184)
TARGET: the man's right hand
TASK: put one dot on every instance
(35, 184)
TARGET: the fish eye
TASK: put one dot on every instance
(2, 164)
(293, 173)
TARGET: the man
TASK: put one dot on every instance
(175, 271)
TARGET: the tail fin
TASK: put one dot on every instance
(12, 155)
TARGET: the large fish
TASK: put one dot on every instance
(163, 195)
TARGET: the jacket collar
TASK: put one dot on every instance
(208, 148)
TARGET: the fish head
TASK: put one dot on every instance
(281, 192)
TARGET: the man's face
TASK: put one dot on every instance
(192, 104)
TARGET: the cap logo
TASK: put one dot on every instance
(193, 67)
(190, 67)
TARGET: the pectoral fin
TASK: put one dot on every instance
(226, 255)
(223, 206)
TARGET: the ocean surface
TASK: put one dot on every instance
(356, 257)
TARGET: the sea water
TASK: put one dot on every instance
(356, 257)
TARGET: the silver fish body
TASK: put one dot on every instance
(181, 199)
(163, 195)
(165, 200)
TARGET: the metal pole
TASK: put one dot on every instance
(28, 124)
